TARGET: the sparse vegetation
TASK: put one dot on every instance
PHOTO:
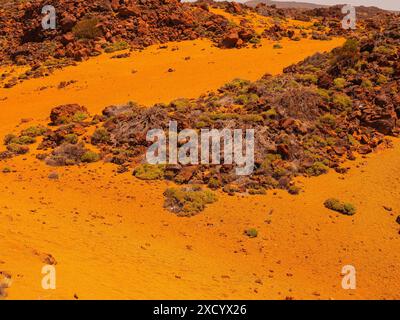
(188, 200)
(116, 46)
(317, 169)
(90, 156)
(342, 207)
(251, 233)
(149, 172)
(100, 135)
(34, 131)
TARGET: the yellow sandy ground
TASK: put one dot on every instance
(112, 239)
(102, 81)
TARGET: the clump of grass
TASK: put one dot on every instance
(79, 116)
(149, 171)
(317, 169)
(342, 101)
(87, 29)
(236, 84)
(100, 135)
(214, 183)
(308, 78)
(34, 131)
(231, 189)
(6, 170)
(327, 119)
(340, 83)
(256, 190)
(90, 156)
(277, 46)
(181, 104)
(294, 190)
(270, 114)
(366, 83)
(17, 148)
(116, 46)
(324, 94)
(13, 139)
(342, 207)
(245, 99)
(381, 79)
(188, 201)
(24, 140)
(9, 138)
(251, 233)
(71, 138)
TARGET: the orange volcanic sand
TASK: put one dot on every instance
(102, 81)
(112, 238)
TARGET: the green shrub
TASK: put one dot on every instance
(342, 101)
(17, 148)
(324, 94)
(71, 138)
(342, 207)
(235, 84)
(149, 171)
(349, 51)
(277, 46)
(6, 170)
(181, 104)
(79, 117)
(385, 50)
(116, 46)
(90, 156)
(214, 183)
(293, 189)
(245, 99)
(339, 83)
(381, 79)
(270, 114)
(327, 119)
(255, 39)
(87, 29)
(201, 124)
(366, 83)
(9, 138)
(308, 77)
(387, 70)
(25, 140)
(317, 169)
(187, 201)
(34, 131)
(258, 190)
(251, 233)
(230, 189)
(100, 135)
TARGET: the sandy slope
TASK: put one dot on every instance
(112, 239)
(103, 81)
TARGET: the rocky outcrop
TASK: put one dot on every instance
(84, 27)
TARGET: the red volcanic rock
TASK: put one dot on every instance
(230, 41)
(139, 23)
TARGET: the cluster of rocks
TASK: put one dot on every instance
(85, 28)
